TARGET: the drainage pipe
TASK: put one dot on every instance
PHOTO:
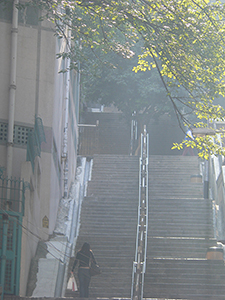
(66, 114)
(12, 88)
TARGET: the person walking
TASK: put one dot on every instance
(83, 257)
(188, 149)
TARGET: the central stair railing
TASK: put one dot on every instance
(139, 265)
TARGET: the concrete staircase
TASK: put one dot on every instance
(180, 232)
(180, 229)
(108, 223)
(112, 136)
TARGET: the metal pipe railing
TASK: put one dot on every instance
(217, 190)
(139, 265)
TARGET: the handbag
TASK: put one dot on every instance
(94, 268)
(72, 285)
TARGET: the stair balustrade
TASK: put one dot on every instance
(139, 265)
(217, 194)
(216, 169)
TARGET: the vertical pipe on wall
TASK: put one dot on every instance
(12, 88)
(66, 114)
(38, 67)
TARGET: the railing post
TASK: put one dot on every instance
(133, 134)
(206, 179)
(4, 249)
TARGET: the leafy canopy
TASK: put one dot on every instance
(182, 39)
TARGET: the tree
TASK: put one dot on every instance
(182, 39)
(128, 91)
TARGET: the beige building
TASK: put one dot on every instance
(38, 137)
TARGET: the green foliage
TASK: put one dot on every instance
(205, 145)
(182, 39)
(128, 91)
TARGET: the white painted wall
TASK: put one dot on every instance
(40, 89)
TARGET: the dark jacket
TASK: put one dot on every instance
(83, 259)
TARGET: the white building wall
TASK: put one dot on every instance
(4, 67)
(40, 91)
(26, 74)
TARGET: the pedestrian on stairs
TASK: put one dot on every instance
(188, 149)
(83, 257)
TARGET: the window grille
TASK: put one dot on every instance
(12, 195)
(3, 132)
(10, 236)
(20, 134)
(8, 275)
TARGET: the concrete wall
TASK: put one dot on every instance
(4, 67)
(31, 225)
(40, 92)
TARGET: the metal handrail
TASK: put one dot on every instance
(217, 190)
(139, 265)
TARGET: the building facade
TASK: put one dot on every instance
(38, 137)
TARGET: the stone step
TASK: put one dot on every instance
(178, 180)
(162, 187)
(102, 216)
(173, 158)
(110, 194)
(105, 209)
(182, 266)
(112, 202)
(117, 187)
(170, 171)
(116, 163)
(161, 243)
(108, 157)
(179, 211)
(183, 233)
(173, 226)
(178, 251)
(198, 214)
(110, 173)
(187, 291)
(187, 194)
(104, 220)
(119, 167)
(192, 279)
(181, 200)
(115, 232)
(174, 222)
(110, 227)
(107, 242)
(112, 234)
(173, 209)
(153, 172)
